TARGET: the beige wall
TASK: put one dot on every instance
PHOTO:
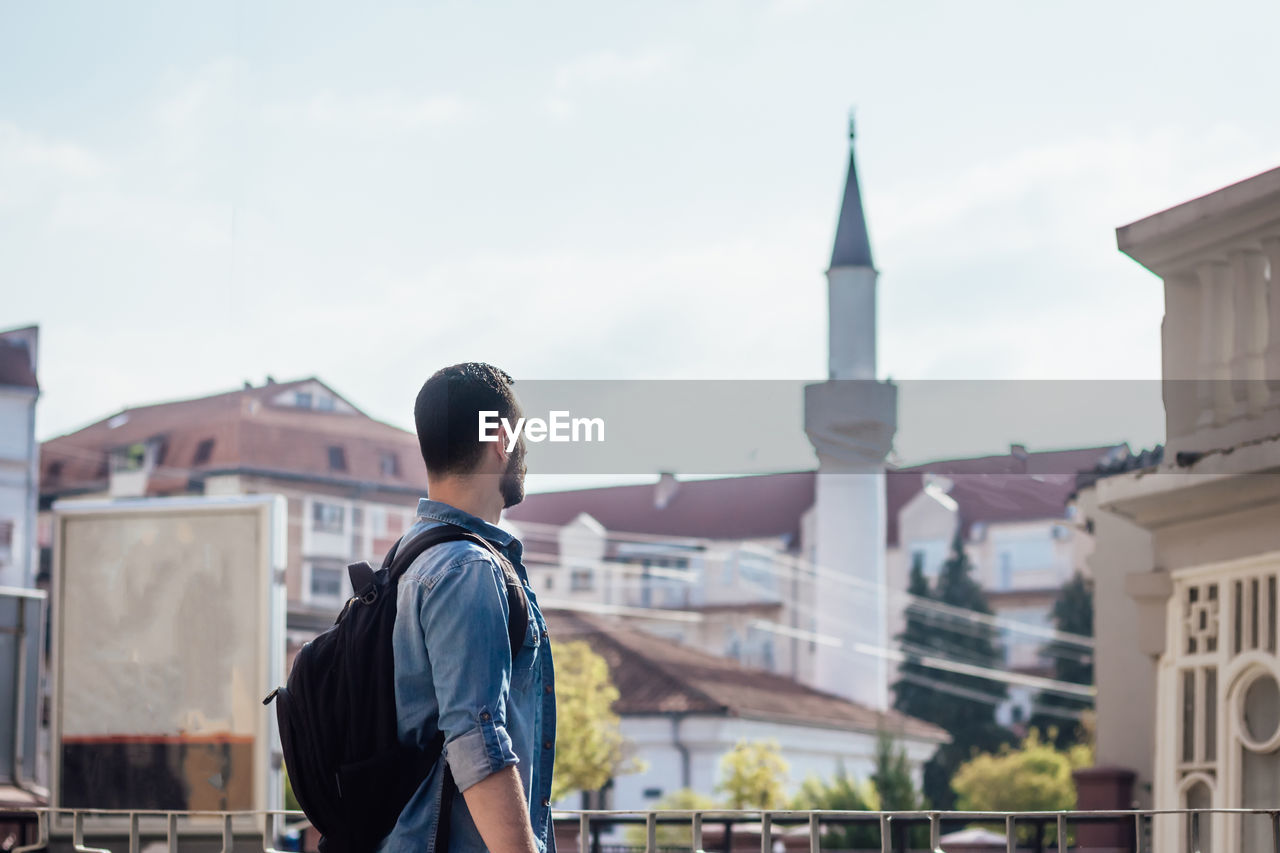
(1125, 676)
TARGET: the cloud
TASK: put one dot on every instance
(377, 110)
(603, 69)
(35, 168)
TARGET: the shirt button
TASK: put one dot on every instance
(545, 802)
(547, 689)
(485, 716)
(546, 744)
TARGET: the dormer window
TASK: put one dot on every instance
(204, 452)
(54, 470)
(302, 399)
(337, 459)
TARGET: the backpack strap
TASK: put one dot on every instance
(398, 560)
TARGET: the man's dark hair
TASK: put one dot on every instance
(447, 413)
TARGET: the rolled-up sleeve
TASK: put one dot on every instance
(464, 622)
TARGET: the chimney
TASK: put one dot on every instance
(1018, 451)
(665, 489)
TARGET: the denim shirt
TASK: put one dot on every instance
(454, 672)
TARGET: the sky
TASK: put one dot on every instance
(195, 195)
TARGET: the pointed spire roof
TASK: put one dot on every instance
(853, 246)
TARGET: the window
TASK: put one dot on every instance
(582, 580)
(389, 464)
(328, 582)
(204, 452)
(337, 459)
(327, 518)
(325, 404)
(6, 540)
(55, 470)
(302, 399)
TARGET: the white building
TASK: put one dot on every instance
(19, 456)
(683, 709)
(1187, 560)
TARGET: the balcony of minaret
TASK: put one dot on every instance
(1219, 259)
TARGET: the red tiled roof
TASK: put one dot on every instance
(247, 431)
(657, 676)
(988, 489)
(728, 508)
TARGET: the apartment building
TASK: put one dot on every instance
(351, 482)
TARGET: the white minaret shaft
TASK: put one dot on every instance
(851, 288)
(850, 420)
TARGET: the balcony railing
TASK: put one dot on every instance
(125, 831)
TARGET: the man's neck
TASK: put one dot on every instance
(476, 495)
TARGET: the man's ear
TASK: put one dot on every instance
(500, 446)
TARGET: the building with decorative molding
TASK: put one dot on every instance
(1187, 556)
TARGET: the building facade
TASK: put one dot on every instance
(351, 482)
(19, 452)
(1187, 556)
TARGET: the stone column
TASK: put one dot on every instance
(1216, 335)
(1247, 366)
(1271, 246)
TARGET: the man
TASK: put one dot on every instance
(454, 668)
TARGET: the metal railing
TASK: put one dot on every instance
(1136, 825)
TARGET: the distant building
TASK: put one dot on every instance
(19, 390)
(351, 482)
(728, 565)
(683, 709)
(1187, 560)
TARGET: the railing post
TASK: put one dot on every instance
(695, 831)
(42, 835)
(173, 832)
(935, 832)
(1010, 840)
(1062, 832)
(77, 836)
(584, 833)
(1275, 831)
(1193, 823)
(133, 832)
(1137, 833)
(815, 833)
(651, 832)
(766, 832)
(228, 840)
(886, 839)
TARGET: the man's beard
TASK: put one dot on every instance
(512, 483)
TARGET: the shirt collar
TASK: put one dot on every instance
(443, 512)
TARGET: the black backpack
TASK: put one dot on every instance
(337, 712)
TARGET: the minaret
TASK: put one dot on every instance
(851, 287)
(850, 420)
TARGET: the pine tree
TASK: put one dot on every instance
(1059, 715)
(911, 695)
(963, 705)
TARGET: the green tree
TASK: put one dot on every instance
(895, 789)
(911, 693)
(1072, 614)
(754, 776)
(960, 703)
(678, 834)
(842, 794)
(590, 749)
(1036, 776)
